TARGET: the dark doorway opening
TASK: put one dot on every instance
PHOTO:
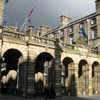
(42, 64)
(96, 78)
(83, 75)
(69, 77)
(11, 65)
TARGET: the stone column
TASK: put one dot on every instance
(90, 80)
(88, 31)
(98, 18)
(77, 79)
(28, 77)
(76, 31)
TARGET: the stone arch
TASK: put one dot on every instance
(11, 60)
(69, 76)
(83, 75)
(42, 64)
(96, 77)
(41, 58)
(36, 51)
(67, 62)
(11, 57)
(81, 64)
(95, 64)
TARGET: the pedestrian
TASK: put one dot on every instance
(4, 85)
(3, 81)
(46, 91)
(52, 93)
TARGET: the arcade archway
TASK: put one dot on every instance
(96, 78)
(83, 75)
(69, 77)
(42, 65)
(11, 65)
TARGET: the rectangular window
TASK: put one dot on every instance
(70, 30)
(61, 33)
(71, 40)
(94, 34)
(82, 30)
(93, 21)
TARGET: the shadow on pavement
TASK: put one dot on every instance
(74, 98)
(41, 98)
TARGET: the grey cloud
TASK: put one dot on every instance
(47, 11)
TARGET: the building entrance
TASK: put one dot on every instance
(96, 78)
(83, 73)
(42, 64)
(9, 72)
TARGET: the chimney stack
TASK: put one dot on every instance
(65, 20)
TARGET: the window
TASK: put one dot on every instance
(70, 30)
(94, 34)
(93, 21)
(61, 33)
(82, 30)
(96, 50)
(39, 33)
(71, 40)
(71, 35)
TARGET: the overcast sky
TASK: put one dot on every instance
(47, 12)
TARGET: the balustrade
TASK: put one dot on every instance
(13, 34)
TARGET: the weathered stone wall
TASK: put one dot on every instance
(76, 31)
(1, 11)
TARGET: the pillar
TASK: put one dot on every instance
(98, 17)
(90, 80)
(77, 79)
(76, 31)
(28, 76)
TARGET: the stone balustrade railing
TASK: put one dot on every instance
(42, 41)
(25, 38)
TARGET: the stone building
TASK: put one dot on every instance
(67, 57)
(2, 11)
(83, 33)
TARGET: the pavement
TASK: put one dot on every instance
(57, 98)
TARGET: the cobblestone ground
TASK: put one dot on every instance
(57, 98)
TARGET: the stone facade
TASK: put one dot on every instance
(71, 59)
(1, 11)
(31, 49)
